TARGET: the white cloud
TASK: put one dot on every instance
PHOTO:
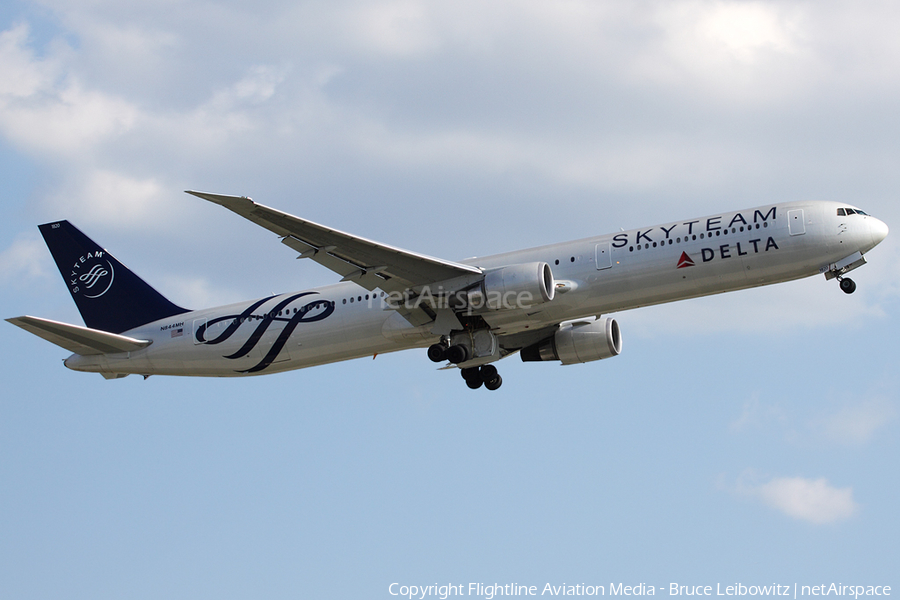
(111, 198)
(45, 110)
(21, 75)
(258, 86)
(756, 414)
(400, 28)
(23, 262)
(746, 53)
(812, 500)
(855, 424)
(740, 30)
(579, 97)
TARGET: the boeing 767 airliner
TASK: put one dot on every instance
(545, 303)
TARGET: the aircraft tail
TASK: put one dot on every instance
(109, 296)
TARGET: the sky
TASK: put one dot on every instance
(745, 438)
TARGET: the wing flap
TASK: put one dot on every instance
(80, 340)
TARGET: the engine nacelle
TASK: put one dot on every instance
(514, 286)
(578, 343)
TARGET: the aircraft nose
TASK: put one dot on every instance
(878, 229)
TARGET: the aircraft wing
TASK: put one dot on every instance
(80, 340)
(367, 263)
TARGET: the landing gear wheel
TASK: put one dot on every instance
(470, 374)
(493, 383)
(437, 352)
(487, 372)
(457, 354)
(485, 375)
(848, 286)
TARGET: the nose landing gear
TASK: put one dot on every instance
(484, 375)
(842, 267)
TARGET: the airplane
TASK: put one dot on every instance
(549, 303)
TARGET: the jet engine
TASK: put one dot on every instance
(578, 343)
(514, 286)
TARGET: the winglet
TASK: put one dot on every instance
(233, 202)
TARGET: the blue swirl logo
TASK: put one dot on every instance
(310, 312)
(96, 281)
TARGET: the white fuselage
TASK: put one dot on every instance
(597, 275)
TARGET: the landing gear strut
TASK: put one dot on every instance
(848, 286)
(484, 375)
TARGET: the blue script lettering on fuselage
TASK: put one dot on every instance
(310, 312)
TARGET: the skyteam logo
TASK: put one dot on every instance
(92, 275)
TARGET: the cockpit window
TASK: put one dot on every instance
(843, 212)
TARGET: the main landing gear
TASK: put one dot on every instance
(443, 351)
(848, 286)
(485, 374)
(475, 377)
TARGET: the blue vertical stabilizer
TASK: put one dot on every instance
(109, 296)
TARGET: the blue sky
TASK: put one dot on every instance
(749, 437)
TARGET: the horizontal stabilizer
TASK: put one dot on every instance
(79, 340)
